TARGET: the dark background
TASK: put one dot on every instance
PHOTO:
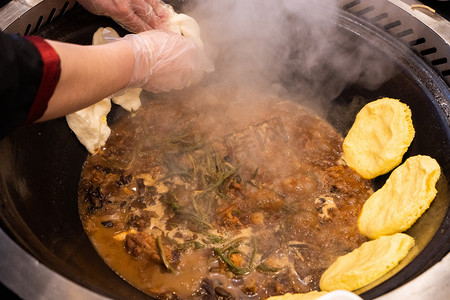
(3, 2)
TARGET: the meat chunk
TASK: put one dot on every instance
(324, 205)
(142, 221)
(139, 243)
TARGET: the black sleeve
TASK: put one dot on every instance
(21, 68)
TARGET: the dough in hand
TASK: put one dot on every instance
(379, 138)
(367, 263)
(104, 35)
(184, 25)
(90, 126)
(406, 195)
(85, 123)
(129, 99)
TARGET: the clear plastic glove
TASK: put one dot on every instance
(133, 15)
(165, 61)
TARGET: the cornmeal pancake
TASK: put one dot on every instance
(405, 196)
(367, 263)
(379, 138)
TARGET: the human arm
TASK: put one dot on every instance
(88, 74)
(156, 61)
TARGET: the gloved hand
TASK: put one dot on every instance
(166, 61)
(133, 15)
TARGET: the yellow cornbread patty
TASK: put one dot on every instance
(406, 195)
(367, 263)
(379, 137)
(305, 296)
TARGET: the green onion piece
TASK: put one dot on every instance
(253, 177)
(198, 245)
(252, 259)
(233, 244)
(213, 239)
(233, 268)
(231, 249)
(267, 269)
(163, 256)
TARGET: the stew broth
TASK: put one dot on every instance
(217, 195)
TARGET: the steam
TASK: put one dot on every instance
(294, 46)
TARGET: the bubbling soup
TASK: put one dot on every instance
(221, 195)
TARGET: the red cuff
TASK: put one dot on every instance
(50, 76)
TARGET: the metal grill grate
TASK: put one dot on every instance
(407, 24)
(19, 18)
